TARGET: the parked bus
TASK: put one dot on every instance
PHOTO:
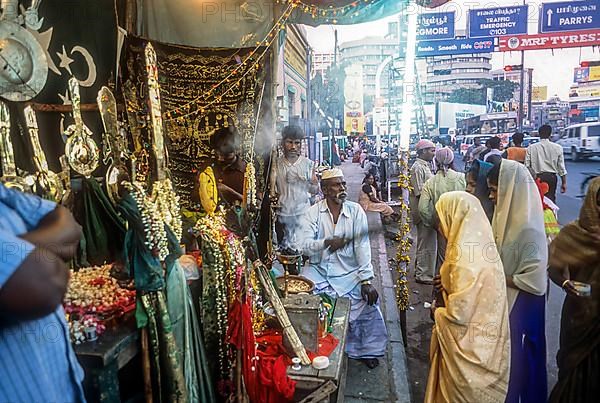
(501, 124)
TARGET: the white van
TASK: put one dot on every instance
(581, 140)
(467, 141)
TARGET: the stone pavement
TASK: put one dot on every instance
(389, 381)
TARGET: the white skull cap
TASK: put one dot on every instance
(332, 173)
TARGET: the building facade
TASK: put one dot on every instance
(320, 63)
(553, 112)
(584, 95)
(293, 79)
(445, 74)
(369, 52)
(515, 77)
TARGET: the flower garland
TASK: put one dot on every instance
(152, 219)
(250, 186)
(210, 228)
(166, 203)
(402, 254)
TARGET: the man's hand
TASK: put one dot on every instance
(228, 192)
(57, 232)
(563, 187)
(369, 294)
(335, 243)
(570, 288)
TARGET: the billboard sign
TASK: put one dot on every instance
(570, 16)
(354, 117)
(574, 39)
(497, 21)
(591, 91)
(539, 93)
(432, 26)
(448, 114)
(455, 47)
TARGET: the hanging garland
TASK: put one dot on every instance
(402, 254)
(166, 203)
(154, 225)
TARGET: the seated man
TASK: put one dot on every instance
(335, 235)
(36, 239)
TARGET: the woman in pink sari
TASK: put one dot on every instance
(368, 198)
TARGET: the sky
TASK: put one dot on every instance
(552, 68)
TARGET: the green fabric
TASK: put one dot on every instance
(169, 383)
(434, 188)
(103, 229)
(359, 13)
(188, 337)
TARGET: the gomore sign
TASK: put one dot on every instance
(574, 39)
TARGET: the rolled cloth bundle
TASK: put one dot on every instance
(443, 158)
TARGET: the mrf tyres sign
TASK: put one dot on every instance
(573, 39)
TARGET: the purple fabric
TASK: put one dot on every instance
(528, 381)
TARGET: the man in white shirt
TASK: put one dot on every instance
(546, 160)
(296, 182)
(495, 146)
(335, 235)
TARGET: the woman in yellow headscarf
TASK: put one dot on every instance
(470, 344)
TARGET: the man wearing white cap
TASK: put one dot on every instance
(420, 171)
(335, 235)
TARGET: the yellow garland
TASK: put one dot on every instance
(402, 254)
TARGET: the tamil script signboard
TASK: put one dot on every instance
(570, 16)
(498, 21)
(432, 26)
(455, 47)
(549, 41)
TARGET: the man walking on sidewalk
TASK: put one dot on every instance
(545, 160)
(335, 234)
(426, 236)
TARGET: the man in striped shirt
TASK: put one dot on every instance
(37, 362)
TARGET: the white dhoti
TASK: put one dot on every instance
(367, 334)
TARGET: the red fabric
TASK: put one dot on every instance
(543, 188)
(271, 344)
(265, 369)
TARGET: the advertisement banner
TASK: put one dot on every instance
(449, 113)
(498, 21)
(589, 91)
(539, 93)
(354, 116)
(455, 47)
(573, 39)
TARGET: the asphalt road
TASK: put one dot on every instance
(418, 319)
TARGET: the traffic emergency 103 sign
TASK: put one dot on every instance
(498, 21)
(570, 16)
(432, 26)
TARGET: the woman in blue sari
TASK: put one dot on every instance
(518, 226)
(477, 185)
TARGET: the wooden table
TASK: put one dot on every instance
(102, 359)
(309, 379)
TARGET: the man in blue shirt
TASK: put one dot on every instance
(335, 234)
(37, 362)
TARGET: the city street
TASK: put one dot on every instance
(419, 323)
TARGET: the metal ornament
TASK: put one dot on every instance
(115, 143)
(23, 63)
(158, 144)
(45, 181)
(9, 177)
(81, 150)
